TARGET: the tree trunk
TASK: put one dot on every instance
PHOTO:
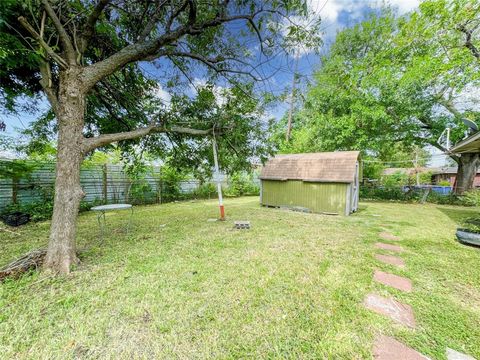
(61, 252)
(467, 169)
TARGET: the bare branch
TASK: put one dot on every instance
(257, 31)
(468, 41)
(444, 150)
(142, 50)
(92, 19)
(210, 62)
(151, 23)
(47, 85)
(106, 103)
(62, 33)
(175, 14)
(192, 13)
(90, 144)
(42, 23)
(42, 42)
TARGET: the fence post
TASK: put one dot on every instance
(104, 183)
(160, 190)
(15, 182)
(159, 186)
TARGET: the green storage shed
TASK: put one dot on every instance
(320, 182)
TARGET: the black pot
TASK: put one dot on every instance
(16, 219)
(467, 237)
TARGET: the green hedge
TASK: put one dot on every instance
(396, 193)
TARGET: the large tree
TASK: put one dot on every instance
(396, 79)
(84, 55)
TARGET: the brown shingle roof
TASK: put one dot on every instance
(319, 167)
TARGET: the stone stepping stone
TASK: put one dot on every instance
(395, 281)
(397, 311)
(389, 247)
(391, 260)
(388, 236)
(387, 348)
(455, 355)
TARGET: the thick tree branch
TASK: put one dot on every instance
(468, 41)
(90, 144)
(42, 42)
(450, 107)
(92, 19)
(444, 150)
(62, 33)
(46, 82)
(142, 50)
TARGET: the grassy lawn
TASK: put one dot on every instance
(178, 286)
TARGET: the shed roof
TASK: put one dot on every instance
(316, 167)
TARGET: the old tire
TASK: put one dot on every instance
(467, 237)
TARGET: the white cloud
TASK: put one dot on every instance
(405, 6)
(330, 9)
(220, 92)
(163, 95)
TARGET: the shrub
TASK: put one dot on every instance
(170, 179)
(387, 193)
(396, 179)
(450, 199)
(471, 198)
(141, 192)
(444, 183)
(240, 184)
(397, 193)
(42, 210)
(206, 190)
(424, 177)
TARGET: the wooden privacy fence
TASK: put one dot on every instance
(34, 181)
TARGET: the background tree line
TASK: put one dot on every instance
(393, 83)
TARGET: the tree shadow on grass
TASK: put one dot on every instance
(460, 215)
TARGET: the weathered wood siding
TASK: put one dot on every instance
(318, 197)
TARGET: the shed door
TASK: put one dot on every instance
(356, 186)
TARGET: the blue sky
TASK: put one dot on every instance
(335, 14)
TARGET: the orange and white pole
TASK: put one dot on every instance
(219, 183)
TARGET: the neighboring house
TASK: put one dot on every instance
(319, 182)
(450, 174)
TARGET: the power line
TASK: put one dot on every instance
(404, 161)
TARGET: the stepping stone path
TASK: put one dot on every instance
(387, 236)
(455, 355)
(395, 281)
(391, 260)
(387, 348)
(397, 311)
(389, 247)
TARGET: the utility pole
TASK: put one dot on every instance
(292, 98)
(417, 173)
(219, 183)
